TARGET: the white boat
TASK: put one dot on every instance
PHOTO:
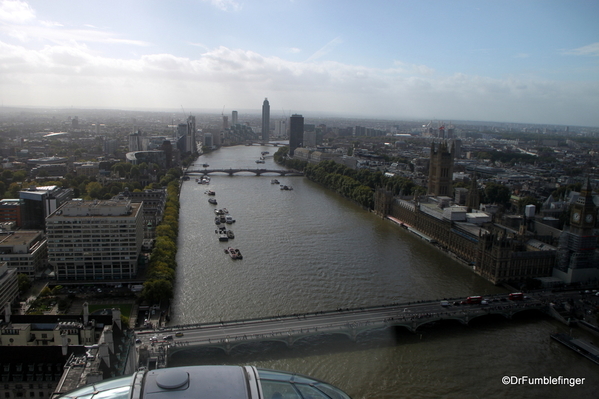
(229, 219)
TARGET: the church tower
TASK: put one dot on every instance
(440, 172)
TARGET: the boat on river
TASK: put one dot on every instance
(212, 201)
(286, 188)
(229, 219)
(230, 234)
(210, 192)
(234, 253)
(274, 181)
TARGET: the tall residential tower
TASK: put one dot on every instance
(265, 120)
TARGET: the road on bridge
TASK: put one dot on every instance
(341, 321)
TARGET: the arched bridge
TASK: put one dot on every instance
(233, 171)
(349, 322)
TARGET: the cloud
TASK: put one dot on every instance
(15, 11)
(225, 5)
(591, 49)
(71, 73)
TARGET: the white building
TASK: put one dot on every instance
(95, 240)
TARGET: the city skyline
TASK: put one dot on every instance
(522, 62)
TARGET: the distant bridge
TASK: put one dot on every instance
(232, 171)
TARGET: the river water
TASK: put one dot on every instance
(307, 250)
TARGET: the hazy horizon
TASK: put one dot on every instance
(530, 62)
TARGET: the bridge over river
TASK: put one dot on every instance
(233, 171)
(350, 322)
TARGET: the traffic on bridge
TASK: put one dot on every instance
(351, 322)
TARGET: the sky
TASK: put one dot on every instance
(519, 61)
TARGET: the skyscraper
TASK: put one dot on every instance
(296, 132)
(234, 118)
(265, 120)
(191, 134)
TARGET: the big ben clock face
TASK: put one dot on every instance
(576, 216)
(588, 218)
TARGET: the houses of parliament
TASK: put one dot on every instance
(512, 252)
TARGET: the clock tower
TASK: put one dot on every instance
(577, 259)
(584, 211)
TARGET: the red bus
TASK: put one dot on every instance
(515, 296)
(474, 299)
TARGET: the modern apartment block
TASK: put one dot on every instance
(95, 240)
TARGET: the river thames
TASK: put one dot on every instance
(306, 250)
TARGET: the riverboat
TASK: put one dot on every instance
(205, 165)
(230, 234)
(212, 201)
(286, 188)
(274, 181)
(223, 237)
(211, 192)
(229, 219)
(233, 253)
(259, 160)
(586, 349)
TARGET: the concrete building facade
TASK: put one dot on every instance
(95, 240)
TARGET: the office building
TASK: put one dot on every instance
(39, 202)
(296, 132)
(95, 240)
(154, 201)
(234, 118)
(135, 142)
(10, 211)
(43, 353)
(148, 157)
(265, 121)
(25, 251)
(9, 285)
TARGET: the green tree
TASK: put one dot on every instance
(94, 190)
(496, 193)
(19, 175)
(24, 282)
(155, 291)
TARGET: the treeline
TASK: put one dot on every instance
(86, 187)
(161, 269)
(357, 185)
